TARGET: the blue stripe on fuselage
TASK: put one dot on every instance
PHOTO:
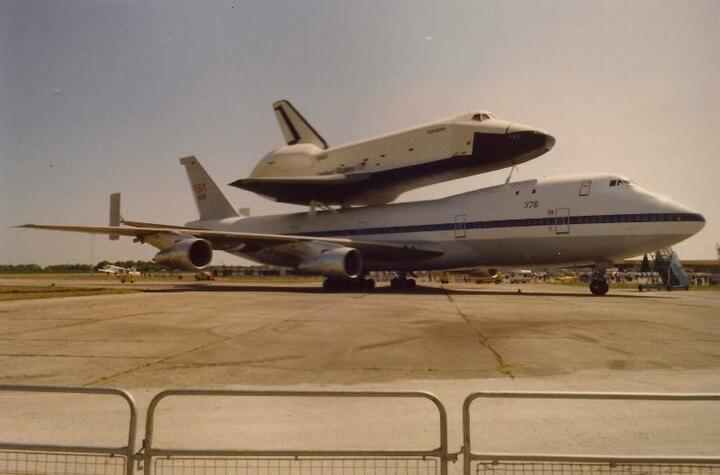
(516, 223)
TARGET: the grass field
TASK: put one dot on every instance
(18, 291)
(25, 292)
(179, 276)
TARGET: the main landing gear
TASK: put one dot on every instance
(348, 285)
(598, 283)
(401, 282)
(332, 284)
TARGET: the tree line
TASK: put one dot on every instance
(142, 266)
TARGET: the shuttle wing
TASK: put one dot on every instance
(224, 240)
(301, 189)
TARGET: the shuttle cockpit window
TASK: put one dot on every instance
(619, 182)
(482, 116)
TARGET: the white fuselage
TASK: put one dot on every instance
(555, 221)
(432, 153)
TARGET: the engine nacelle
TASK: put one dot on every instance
(188, 254)
(339, 262)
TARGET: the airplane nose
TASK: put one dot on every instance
(689, 221)
(697, 223)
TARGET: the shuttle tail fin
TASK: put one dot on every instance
(294, 127)
(210, 201)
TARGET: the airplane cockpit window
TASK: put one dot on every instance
(585, 186)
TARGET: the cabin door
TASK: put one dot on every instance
(460, 226)
(562, 221)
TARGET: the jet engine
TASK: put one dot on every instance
(339, 262)
(189, 254)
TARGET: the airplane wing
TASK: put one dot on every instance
(301, 189)
(141, 224)
(222, 240)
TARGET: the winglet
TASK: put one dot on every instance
(294, 127)
(115, 217)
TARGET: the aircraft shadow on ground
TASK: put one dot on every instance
(385, 290)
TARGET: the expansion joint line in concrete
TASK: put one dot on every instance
(482, 339)
(165, 359)
(105, 379)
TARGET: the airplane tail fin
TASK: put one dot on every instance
(211, 202)
(115, 217)
(294, 127)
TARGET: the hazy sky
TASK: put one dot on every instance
(103, 96)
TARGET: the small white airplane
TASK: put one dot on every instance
(378, 170)
(574, 220)
(125, 274)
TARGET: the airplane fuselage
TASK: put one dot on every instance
(557, 221)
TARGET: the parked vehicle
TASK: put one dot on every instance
(521, 276)
(204, 275)
(489, 279)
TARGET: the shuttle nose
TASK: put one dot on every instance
(549, 141)
(530, 135)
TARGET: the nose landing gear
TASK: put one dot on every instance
(598, 284)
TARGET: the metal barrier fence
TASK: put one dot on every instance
(160, 461)
(44, 459)
(37, 459)
(549, 464)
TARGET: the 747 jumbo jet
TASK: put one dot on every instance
(573, 220)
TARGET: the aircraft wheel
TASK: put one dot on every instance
(599, 287)
(402, 284)
(331, 285)
(367, 284)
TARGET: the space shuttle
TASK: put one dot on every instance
(307, 171)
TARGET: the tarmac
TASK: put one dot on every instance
(450, 340)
